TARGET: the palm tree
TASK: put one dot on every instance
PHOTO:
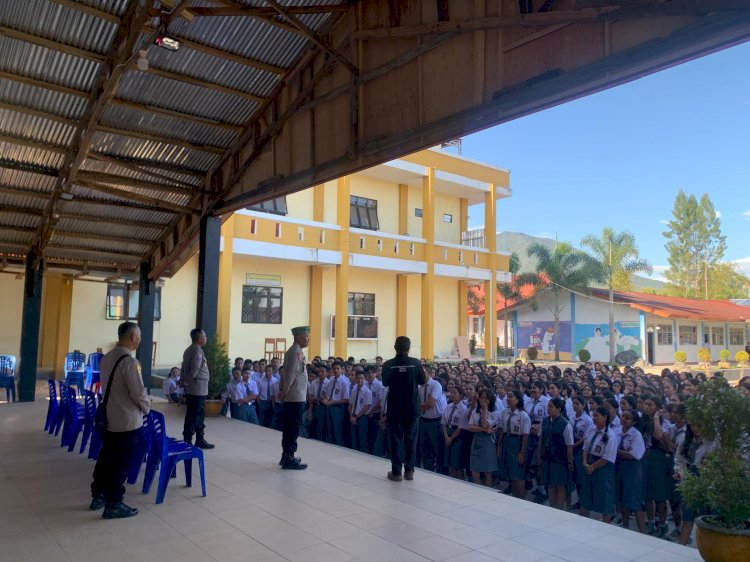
(560, 270)
(510, 292)
(619, 257)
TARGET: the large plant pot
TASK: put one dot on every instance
(213, 408)
(717, 544)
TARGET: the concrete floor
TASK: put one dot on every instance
(342, 508)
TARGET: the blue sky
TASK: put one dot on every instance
(618, 158)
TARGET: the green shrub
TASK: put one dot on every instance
(724, 354)
(680, 356)
(532, 353)
(721, 484)
(584, 355)
(217, 358)
(704, 355)
(741, 357)
(472, 344)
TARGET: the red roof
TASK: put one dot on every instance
(678, 307)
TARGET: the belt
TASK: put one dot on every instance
(432, 419)
(593, 458)
(337, 406)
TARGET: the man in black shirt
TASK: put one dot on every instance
(402, 375)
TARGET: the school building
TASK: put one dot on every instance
(372, 255)
(650, 327)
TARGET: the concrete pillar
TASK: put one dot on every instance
(32, 310)
(208, 275)
(343, 212)
(146, 302)
(427, 345)
(226, 265)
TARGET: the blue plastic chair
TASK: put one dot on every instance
(62, 409)
(75, 370)
(49, 423)
(141, 451)
(73, 422)
(89, 410)
(165, 455)
(92, 370)
(8, 376)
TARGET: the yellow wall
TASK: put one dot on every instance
(413, 317)
(11, 290)
(329, 202)
(447, 232)
(300, 205)
(386, 194)
(446, 315)
(384, 285)
(414, 222)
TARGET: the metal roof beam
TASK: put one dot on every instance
(110, 220)
(37, 113)
(156, 204)
(255, 12)
(141, 170)
(74, 248)
(197, 119)
(28, 167)
(21, 210)
(51, 44)
(103, 237)
(30, 143)
(90, 175)
(121, 160)
(92, 11)
(42, 84)
(160, 138)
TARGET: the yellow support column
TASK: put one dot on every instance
(464, 219)
(463, 307)
(318, 203)
(226, 259)
(402, 291)
(62, 341)
(55, 329)
(490, 309)
(343, 189)
(316, 310)
(428, 278)
(403, 209)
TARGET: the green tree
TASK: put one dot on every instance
(560, 270)
(509, 292)
(727, 283)
(711, 242)
(682, 245)
(618, 257)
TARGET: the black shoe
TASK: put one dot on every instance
(203, 444)
(118, 511)
(294, 459)
(188, 440)
(97, 503)
(293, 465)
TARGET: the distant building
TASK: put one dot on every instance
(650, 327)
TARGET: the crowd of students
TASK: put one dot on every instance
(616, 442)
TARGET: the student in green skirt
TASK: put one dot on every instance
(658, 442)
(513, 440)
(629, 472)
(555, 453)
(599, 455)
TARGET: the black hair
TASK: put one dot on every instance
(581, 400)
(602, 411)
(195, 334)
(402, 345)
(559, 403)
(125, 329)
(490, 396)
(630, 399)
(614, 403)
(519, 398)
(540, 385)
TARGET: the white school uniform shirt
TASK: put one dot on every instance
(312, 389)
(265, 388)
(169, 387)
(570, 413)
(251, 387)
(632, 442)
(256, 376)
(499, 405)
(666, 429)
(537, 409)
(337, 388)
(384, 401)
(516, 422)
(678, 436)
(364, 398)
(614, 425)
(432, 388)
(464, 422)
(581, 426)
(598, 448)
(567, 434)
(275, 386)
(492, 417)
(376, 387)
(452, 416)
(236, 391)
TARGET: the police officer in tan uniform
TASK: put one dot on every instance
(195, 378)
(293, 394)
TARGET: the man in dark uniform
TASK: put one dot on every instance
(402, 375)
(293, 394)
(195, 379)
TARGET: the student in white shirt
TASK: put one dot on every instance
(373, 417)
(452, 433)
(513, 439)
(582, 424)
(360, 402)
(537, 410)
(336, 400)
(170, 388)
(265, 398)
(247, 405)
(316, 409)
(431, 406)
(599, 455)
(629, 472)
(483, 424)
(555, 455)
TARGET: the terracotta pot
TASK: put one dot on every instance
(213, 408)
(717, 544)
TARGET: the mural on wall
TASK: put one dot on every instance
(541, 335)
(595, 339)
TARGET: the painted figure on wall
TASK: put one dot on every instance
(598, 346)
(535, 340)
(548, 342)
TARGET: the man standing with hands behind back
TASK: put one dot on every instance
(293, 394)
(195, 378)
(402, 375)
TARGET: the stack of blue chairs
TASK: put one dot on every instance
(75, 370)
(92, 370)
(74, 420)
(8, 376)
(53, 410)
(165, 453)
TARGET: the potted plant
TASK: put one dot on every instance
(679, 358)
(724, 359)
(721, 486)
(704, 357)
(741, 357)
(532, 353)
(472, 344)
(217, 359)
(584, 355)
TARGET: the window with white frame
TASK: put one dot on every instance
(361, 304)
(363, 213)
(122, 302)
(736, 336)
(664, 335)
(688, 335)
(262, 305)
(275, 206)
(717, 335)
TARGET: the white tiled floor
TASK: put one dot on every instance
(341, 509)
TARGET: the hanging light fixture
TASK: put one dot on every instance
(166, 42)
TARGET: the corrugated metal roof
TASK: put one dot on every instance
(33, 169)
